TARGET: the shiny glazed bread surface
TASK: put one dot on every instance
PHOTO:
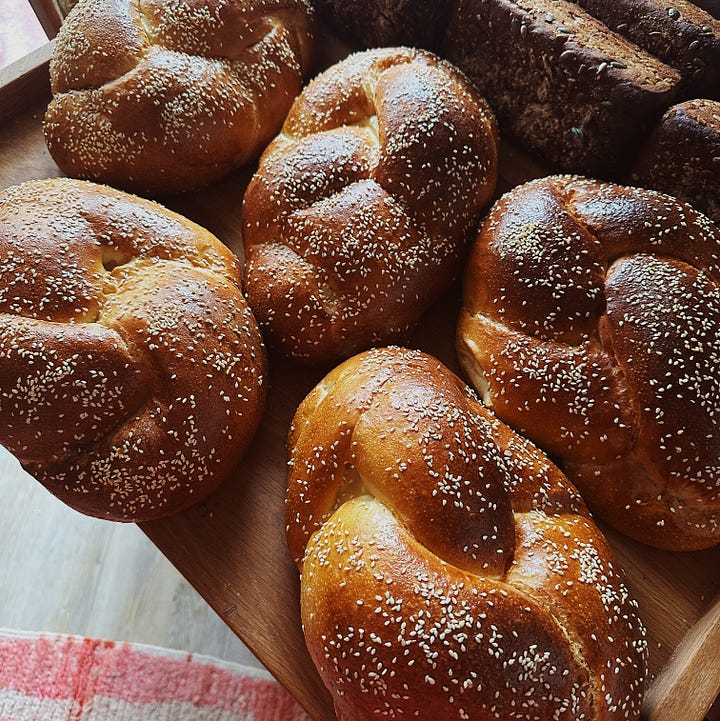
(449, 570)
(132, 372)
(591, 323)
(161, 96)
(361, 210)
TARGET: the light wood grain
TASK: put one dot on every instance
(232, 547)
(683, 688)
(63, 572)
(24, 79)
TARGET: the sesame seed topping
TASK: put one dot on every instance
(361, 209)
(171, 95)
(599, 337)
(445, 561)
(131, 368)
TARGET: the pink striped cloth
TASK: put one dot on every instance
(69, 678)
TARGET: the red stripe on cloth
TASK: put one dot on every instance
(79, 670)
(143, 678)
(47, 668)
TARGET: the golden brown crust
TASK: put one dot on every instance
(360, 212)
(449, 570)
(591, 322)
(132, 372)
(162, 96)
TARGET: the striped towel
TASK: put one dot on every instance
(68, 678)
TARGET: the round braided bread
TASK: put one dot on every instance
(591, 323)
(362, 208)
(161, 96)
(449, 570)
(131, 368)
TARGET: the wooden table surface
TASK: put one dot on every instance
(62, 572)
(232, 547)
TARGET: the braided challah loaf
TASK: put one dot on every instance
(131, 368)
(161, 96)
(360, 213)
(591, 323)
(449, 570)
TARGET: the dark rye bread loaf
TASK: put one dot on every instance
(681, 34)
(380, 23)
(571, 91)
(682, 157)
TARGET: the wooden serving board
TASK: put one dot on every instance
(232, 547)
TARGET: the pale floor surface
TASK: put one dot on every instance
(63, 572)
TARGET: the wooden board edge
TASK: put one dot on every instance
(25, 81)
(690, 682)
(49, 14)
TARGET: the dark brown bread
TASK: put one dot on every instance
(682, 156)
(449, 570)
(361, 210)
(132, 373)
(591, 322)
(681, 34)
(568, 89)
(161, 96)
(382, 23)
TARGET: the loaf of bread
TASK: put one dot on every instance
(362, 208)
(449, 570)
(591, 323)
(682, 156)
(383, 23)
(572, 92)
(681, 34)
(167, 95)
(132, 372)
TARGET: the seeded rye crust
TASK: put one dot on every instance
(682, 156)
(161, 96)
(563, 85)
(681, 34)
(132, 372)
(382, 23)
(449, 570)
(359, 215)
(591, 323)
